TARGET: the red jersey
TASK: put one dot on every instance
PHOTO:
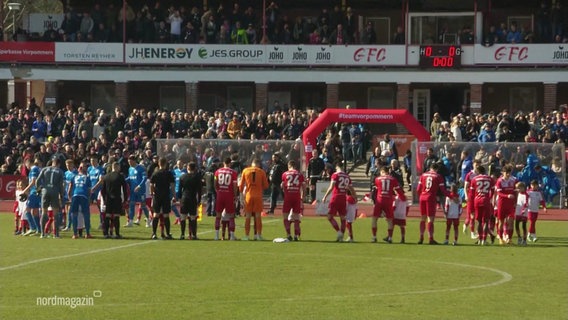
(468, 177)
(482, 186)
(292, 182)
(225, 179)
(504, 187)
(387, 186)
(430, 183)
(342, 183)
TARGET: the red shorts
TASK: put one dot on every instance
(384, 205)
(292, 203)
(225, 203)
(521, 218)
(455, 221)
(505, 211)
(399, 222)
(483, 211)
(428, 207)
(338, 206)
(470, 209)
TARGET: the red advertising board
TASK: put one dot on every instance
(27, 52)
(8, 186)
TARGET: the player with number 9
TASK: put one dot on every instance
(226, 188)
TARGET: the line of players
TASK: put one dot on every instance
(493, 204)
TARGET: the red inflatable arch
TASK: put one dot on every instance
(361, 116)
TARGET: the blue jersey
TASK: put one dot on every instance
(177, 174)
(137, 178)
(69, 175)
(34, 173)
(95, 173)
(81, 185)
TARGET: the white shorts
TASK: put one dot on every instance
(291, 216)
(351, 213)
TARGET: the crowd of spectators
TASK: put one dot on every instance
(549, 27)
(219, 25)
(75, 132)
(503, 138)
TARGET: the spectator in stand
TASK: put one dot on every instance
(368, 35)
(210, 29)
(399, 37)
(487, 134)
(239, 34)
(39, 128)
(339, 36)
(543, 22)
(514, 35)
(466, 36)
(175, 21)
(190, 35)
(87, 24)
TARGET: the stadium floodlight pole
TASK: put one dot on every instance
(264, 38)
(14, 7)
(123, 31)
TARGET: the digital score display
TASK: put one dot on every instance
(440, 57)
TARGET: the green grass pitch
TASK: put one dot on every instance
(315, 278)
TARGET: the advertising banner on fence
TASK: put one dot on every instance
(27, 52)
(40, 22)
(522, 53)
(88, 52)
(264, 55)
(8, 186)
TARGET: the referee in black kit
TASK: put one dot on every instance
(190, 189)
(115, 195)
(162, 185)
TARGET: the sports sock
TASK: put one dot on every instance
(232, 224)
(389, 231)
(297, 230)
(350, 229)
(374, 231)
(37, 222)
(116, 224)
(333, 223)
(167, 224)
(402, 232)
(155, 223)
(247, 226)
(287, 225)
(75, 219)
(422, 229)
(106, 224)
(258, 224)
(224, 227)
(217, 223)
(430, 230)
(456, 227)
(131, 207)
(343, 226)
(448, 225)
(139, 214)
(182, 226)
(193, 225)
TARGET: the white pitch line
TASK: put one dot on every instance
(505, 277)
(23, 264)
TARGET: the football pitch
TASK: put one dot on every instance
(315, 278)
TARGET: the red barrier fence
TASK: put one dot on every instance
(8, 186)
